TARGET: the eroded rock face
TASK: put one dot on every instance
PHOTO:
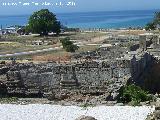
(86, 118)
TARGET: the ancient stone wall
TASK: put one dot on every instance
(43, 77)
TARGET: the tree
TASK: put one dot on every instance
(157, 18)
(68, 45)
(43, 22)
(57, 28)
(156, 22)
(150, 26)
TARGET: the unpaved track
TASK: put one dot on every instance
(31, 52)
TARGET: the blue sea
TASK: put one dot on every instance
(110, 19)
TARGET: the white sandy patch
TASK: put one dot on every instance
(57, 112)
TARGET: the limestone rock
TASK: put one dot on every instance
(157, 114)
(85, 118)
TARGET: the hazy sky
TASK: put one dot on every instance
(81, 6)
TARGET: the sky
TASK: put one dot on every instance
(80, 6)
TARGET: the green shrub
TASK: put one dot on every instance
(150, 26)
(8, 100)
(133, 94)
(68, 45)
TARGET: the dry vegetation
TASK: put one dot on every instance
(132, 32)
(61, 55)
(12, 43)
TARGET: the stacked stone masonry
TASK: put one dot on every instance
(27, 78)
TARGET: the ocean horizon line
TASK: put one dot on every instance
(98, 19)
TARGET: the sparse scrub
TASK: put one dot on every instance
(68, 45)
(133, 94)
(8, 100)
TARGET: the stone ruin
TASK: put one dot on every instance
(27, 79)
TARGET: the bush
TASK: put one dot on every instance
(2, 62)
(68, 45)
(133, 94)
(150, 26)
(8, 99)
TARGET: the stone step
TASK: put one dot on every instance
(68, 85)
(33, 91)
(12, 82)
(68, 82)
(15, 91)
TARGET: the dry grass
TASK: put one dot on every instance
(9, 48)
(88, 48)
(86, 35)
(132, 32)
(14, 43)
(59, 55)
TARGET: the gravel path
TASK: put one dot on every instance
(57, 112)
